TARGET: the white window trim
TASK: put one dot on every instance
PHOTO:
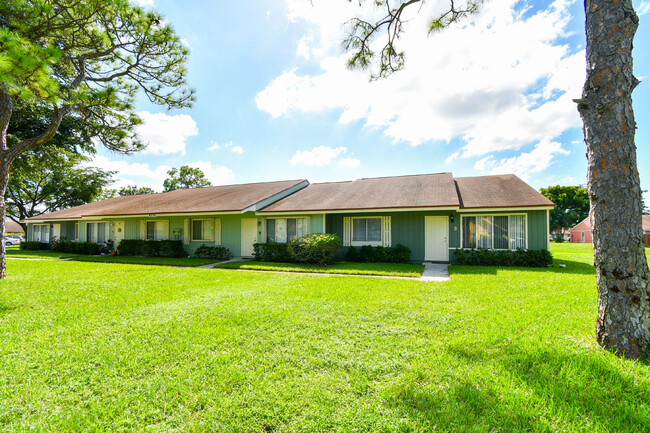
(96, 225)
(165, 225)
(285, 217)
(203, 231)
(493, 215)
(41, 225)
(378, 243)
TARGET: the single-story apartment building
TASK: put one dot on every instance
(13, 228)
(582, 231)
(432, 214)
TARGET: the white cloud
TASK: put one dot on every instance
(214, 146)
(349, 162)
(186, 43)
(237, 149)
(303, 49)
(143, 3)
(165, 134)
(132, 173)
(643, 8)
(317, 157)
(525, 164)
(217, 174)
(456, 83)
(451, 158)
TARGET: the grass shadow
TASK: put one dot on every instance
(532, 388)
(571, 267)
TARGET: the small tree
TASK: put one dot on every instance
(86, 59)
(185, 177)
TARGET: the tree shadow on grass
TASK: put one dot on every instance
(533, 388)
(4, 308)
(571, 267)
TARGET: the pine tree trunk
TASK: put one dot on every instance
(623, 323)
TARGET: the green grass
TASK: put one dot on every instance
(345, 268)
(27, 254)
(86, 347)
(165, 261)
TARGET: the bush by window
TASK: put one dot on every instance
(397, 254)
(213, 252)
(519, 257)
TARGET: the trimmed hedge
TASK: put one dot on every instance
(519, 257)
(34, 246)
(213, 252)
(272, 252)
(397, 254)
(316, 248)
(87, 248)
(138, 247)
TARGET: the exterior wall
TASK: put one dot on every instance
(407, 228)
(576, 232)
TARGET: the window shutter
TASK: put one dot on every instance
(56, 230)
(107, 233)
(217, 231)
(307, 226)
(386, 232)
(143, 230)
(347, 227)
(186, 232)
(165, 229)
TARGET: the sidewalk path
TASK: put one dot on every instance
(435, 272)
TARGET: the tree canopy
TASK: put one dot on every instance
(135, 190)
(571, 206)
(185, 177)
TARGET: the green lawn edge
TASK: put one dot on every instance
(409, 270)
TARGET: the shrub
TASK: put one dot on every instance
(272, 252)
(213, 252)
(558, 238)
(33, 246)
(397, 254)
(87, 248)
(315, 248)
(519, 257)
(138, 247)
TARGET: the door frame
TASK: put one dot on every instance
(446, 238)
(123, 225)
(244, 242)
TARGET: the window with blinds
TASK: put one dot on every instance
(286, 229)
(495, 232)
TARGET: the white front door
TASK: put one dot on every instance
(248, 236)
(118, 229)
(436, 238)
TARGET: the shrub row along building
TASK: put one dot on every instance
(432, 214)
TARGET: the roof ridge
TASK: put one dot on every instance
(405, 175)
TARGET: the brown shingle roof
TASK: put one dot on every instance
(13, 227)
(209, 199)
(498, 191)
(427, 190)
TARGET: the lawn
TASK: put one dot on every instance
(382, 269)
(164, 261)
(86, 347)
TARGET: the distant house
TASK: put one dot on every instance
(582, 231)
(13, 228)
(432, 214)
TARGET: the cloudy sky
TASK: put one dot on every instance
(276, 101)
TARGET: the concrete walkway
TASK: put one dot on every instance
(212, 265)
(435, 272)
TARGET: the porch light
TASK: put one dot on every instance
(451, 218)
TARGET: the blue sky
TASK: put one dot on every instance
(275, 100)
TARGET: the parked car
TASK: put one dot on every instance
(13, 240)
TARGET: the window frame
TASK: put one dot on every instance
(76, 232)
(97, 223)
(378, 243)
(39, 232)
(203, 220)
(146, 230)
(306, 225)
(492, 215)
